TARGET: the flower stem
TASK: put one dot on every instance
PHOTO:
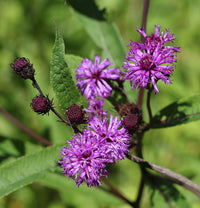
(148, 104)
(116, 193)
(36, 85)
(144, 23)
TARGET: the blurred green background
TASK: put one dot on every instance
(27, 29)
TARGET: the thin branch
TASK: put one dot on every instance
(140, 191)
(139, 153)
(148, 104)
(144, 23)
(36, 85)
(182, 181)
(24, 128)
(116, 193)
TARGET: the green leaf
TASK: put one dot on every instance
(73, 62)
(104, 34)
(180, 112)
(27, 169)
(78, 196)
(61, 79)
(164, 194)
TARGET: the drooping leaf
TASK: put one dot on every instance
(27, 169)
(104, 34)
(61, 79)
(180, 112)
(164, 194)
(78, 197)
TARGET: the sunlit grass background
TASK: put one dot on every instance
(27, 29)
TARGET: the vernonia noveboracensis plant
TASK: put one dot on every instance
(96, 98)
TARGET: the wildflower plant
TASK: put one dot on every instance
(101, 138)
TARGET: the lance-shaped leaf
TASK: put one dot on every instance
(164, 194)
(78, 197)
(180, 112)
(104, 34)
(61, 78)
(27, 169)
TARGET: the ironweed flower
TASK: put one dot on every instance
(82, 159)
(91, 77)
(150, 61)
(85, 157)
(115, 138)
(95, 109)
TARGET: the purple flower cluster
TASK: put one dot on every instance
(150, 61)
(86, 156)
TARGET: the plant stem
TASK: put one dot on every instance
(24, 128)
(181, 180)
(148, 104)
(144, 23)
(116, 193)
(139, 137)
(35, 84)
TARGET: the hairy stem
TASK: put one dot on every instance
(24, 128)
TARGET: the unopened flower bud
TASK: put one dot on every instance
(41, 105)
(130, 121)
(23, 68)
(75, 114)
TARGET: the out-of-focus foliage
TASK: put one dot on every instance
(27, 29)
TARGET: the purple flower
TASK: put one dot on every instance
(92, 77)
(95, 109)
(83, 160)
(150, 61)
(115, 138)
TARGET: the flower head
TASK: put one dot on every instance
(150, 61)
(41, 105)
(83, 160)
(75, 114)
(92, 77)
(115, 138)
(23, 68)
(95, 109)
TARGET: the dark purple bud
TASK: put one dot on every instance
(23, 68)
(75, 114)
(41, 105)
(130, 121)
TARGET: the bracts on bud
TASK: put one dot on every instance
(41, 104)
(75, 114)
(23, 68)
